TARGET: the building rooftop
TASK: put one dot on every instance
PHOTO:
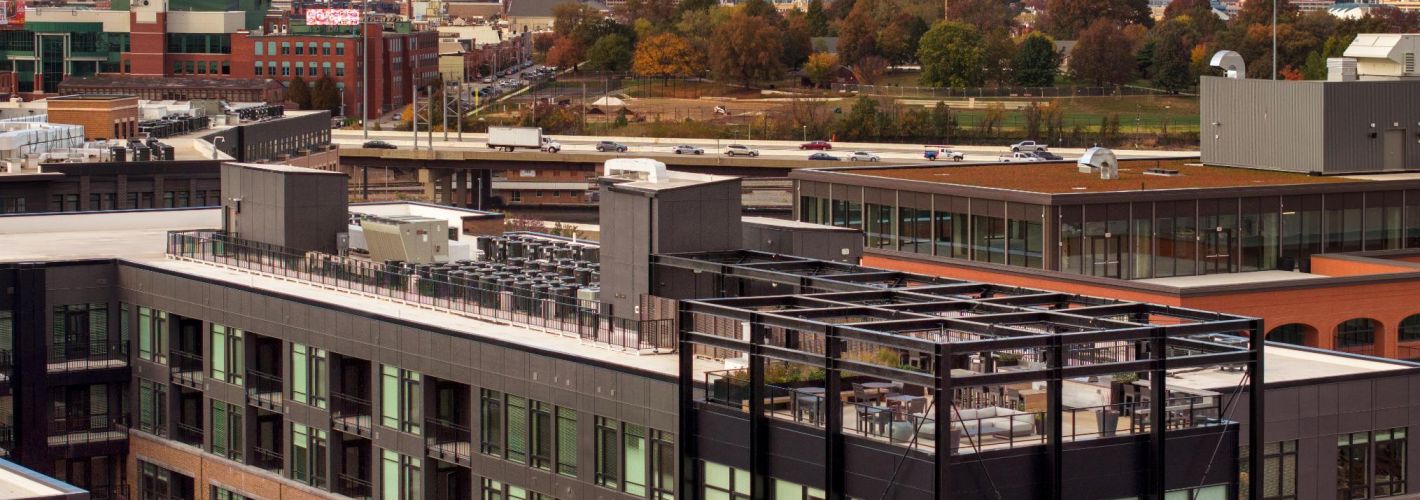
(287, 169)
(1064, 177)
(18, 482)
(1285, 363)
(132, 81)
(91, 97)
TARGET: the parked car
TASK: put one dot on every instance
(686, 149)
(1048, 156)
(823, 157)
(398, 116)
(378, 145)
(740, 150)
(944, 153)
(863, 156)
(487, 79)
(609, 146)
(1018, 156)
(1027, 147)
(819, 145)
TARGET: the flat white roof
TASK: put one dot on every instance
(1286, 364)
(1203, 280)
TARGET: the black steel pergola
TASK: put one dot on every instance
(832, 306)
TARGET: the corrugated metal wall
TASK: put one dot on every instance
(1351, 108)
(1265, 124)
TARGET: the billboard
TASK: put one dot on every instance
(332, 17)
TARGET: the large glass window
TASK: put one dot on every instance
(1343, 222)
(308, 375)
(633, 440)
(153, 407)
(517, 418)
(1353, 466)
(914, 223)
(1356, 333)
(1259, 234)
(785, 490)
(950, 220)
(227, 430)
(1383, 225)
(1072, 230)
(1409, 329)
(400, 476)
(1217, 236)
(879, 225)
(541, 438)
(156, 482)
(490, 434)
(400, 399)
(152, 335)
(1292, 333)
(1390, 462)
(308, 455)
(608, 466)
(567, 442)
(1279, 471)
(227, 354)
(724, 482)
(1366, 460)
(1301, 232)
(663, 463)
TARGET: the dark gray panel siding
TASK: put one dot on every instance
(1265, 124)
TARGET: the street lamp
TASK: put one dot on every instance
(806, 133)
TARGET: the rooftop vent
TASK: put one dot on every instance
(1341, 69)
(1231, 62)
(1163, 172)
(1101, 159)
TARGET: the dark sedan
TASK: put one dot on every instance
(823, 157)
(379, 145)
(819, 145)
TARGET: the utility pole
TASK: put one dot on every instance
(1274, 39)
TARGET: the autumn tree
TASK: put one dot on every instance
(820, 68)
(1036, 63)
(746, 49)
(299, 93)
(998, 51)
(1177, 8)
(565, 52)
(1067, 19)
(1103, 55)
(951, 55)
(326, 95)
(657, 12)
(797, 40)
(858, 33)
(568, 16)
(984, 14)
(610, 53)
(666, 55)
(870, 70)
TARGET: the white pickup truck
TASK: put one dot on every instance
(1018, 156)
(1027, 147)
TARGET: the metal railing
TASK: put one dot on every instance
(189, 434)
(70, 430)
(352, 486)
(187, 367)
(264, 388)
(66, 357)
(587, 320)
(999, 91)
(448, 441)
(268, 459)
(353, 412)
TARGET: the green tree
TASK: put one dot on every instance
(797, 41)
(326, 95)
(1170, 50)
(696, 5)
(610, 53)
(1036, 63)
(984, 14)
(746, 49)
(951, 55)
(1103, 55)
(863, 121)
(944, 121)
(1315, 67)
(820, 68)
(299, 93)
(817, 18)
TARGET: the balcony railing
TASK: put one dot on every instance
(448, 441)
(350, 414)
(189, 434)
(70, 430)
(351, 486)
(264, 389)
(7, 363)
(65, 357)
(588, 320)
(187, 368)
(268, 459)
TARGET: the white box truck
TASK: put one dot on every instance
(510, 138)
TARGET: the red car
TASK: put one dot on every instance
(819, 145)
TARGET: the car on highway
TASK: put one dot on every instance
(740, 150)
(1017, 157)
(378, 145)
(686, 149)
(821, 156)
(944, 153)
(1027, 147)
(487, 79)
(819, 145)
(1048, 156)
(864, 156)
(610, 147)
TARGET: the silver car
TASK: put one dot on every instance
(863, 156)
(686, 149)
(740, 150)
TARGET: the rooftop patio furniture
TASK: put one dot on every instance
(995, 420)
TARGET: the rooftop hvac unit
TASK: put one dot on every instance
(1230, 62)
(1101, 159)
(1341, 69)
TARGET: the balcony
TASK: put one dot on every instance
(267, 459)
(65, 357)
(264, 390)
(189, 434)
(187, 369)
(74, 430)
(448, 441)
(350, 414)
(353, 487)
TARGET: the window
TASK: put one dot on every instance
(339, 69)
(220, 493)
(79, 331)
(1410, 328)
(1212, 492)
(258, 48)
(608, 466)
(1292, 333)
(517, 419)
(725, 483)
(257, 69)
(491, 429)
(308, 450)
(153, 407)
(1367, 459)
(285, 48)
(1353, 333)
(155, 482)
(400, 399)
(227, 430)
(340, 49)
(785, 490)
(152, 335)
(498, 490)
(517, 196)
(325, 48)
(1279, 471)
(567, 442)
(400, 476)
(541, 435)
(227, 355)
(663, 463)
(633, 440)
(1390, 462)
(308, 375)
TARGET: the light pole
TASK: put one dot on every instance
(806, 133)
(1274, 39)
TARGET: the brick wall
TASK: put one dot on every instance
(107, 119)
(209, 470)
